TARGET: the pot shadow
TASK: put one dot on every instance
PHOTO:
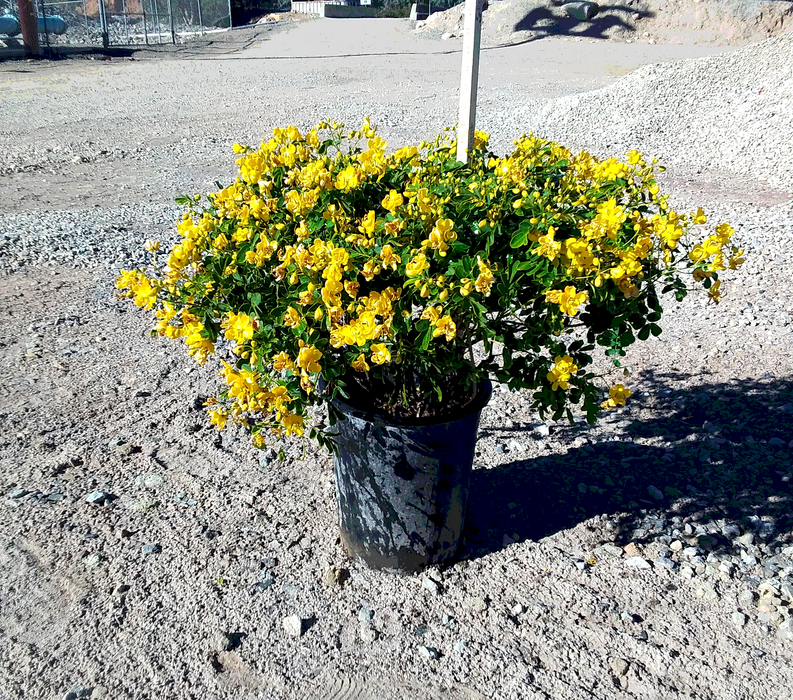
(551, 20)
(723, 460)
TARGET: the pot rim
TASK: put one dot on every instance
(483, 395)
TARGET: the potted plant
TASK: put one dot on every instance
(391, 287)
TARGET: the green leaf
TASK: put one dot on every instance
(521, 236)
(644, 333)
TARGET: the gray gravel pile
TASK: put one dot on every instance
(729, 112)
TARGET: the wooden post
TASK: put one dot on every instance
(29, 24)
(469, 80)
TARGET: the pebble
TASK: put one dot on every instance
(331, 577)
(293, 625)
(152, 480)
(92, 561)
(429, 653)
(619, 667)
(18, 493)
(517, 609)
(431, 586)
(656, 493)
(460, 645)
(221, 641)
(632, 550)
(99, 692)
(367, 633)
(676, 546)
(476, 604)
(670, 564)
(99, 497)
(55, 497)
(707, 592)
(543, 429)
(785, 630)
(365, 614)
(608, 550)
(637, 563)
(151, 549)
(738, 619)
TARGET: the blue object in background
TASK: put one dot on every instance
(9, 25)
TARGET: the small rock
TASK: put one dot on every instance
(656, 493)
(92, 561)
(144, 504)
(707, 592)
(293, 625)
(55, 497)
(18, 493)
(745, 540)
(429, 653)
(785, 630)
(152, 480)
(99, 497)
(431, 586)
(332, 577)
(459, 645)
(264, 582)
(151, 549)
(666, 562)
(776, 441)
(637, 563)
(476, 604)
(517, 609)
(123, 448)
(365, 614)
(367, 633)
(99, 692)
(690, 552)
(120, 590)
(746, 598)
(676, 546)
(221, 641)
(738, 619)
(619, 667)
(608, 550)
(632, 550)
(543, 429)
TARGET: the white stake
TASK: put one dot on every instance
(469, 79)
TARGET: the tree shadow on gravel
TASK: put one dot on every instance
(722, 460)
(547, 22)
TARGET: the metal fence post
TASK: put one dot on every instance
(200, 18)
(231, 23)
(173, 28)
(103, 24)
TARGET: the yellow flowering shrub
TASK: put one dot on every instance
(333, 267)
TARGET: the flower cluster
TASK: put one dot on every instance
(413, 276)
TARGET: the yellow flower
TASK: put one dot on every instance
(381, 355)
(308, 357)
(291, 318)
(569, 300)
(617, 396)
(292, 423)
(549, 247)
(560, 373)
(360, 364)
(417, 265)
(368, 223)
(348, 179)
(714, 292)
(393, 201)
(152, 246)
(282, 361)
(239, 327)
(218, 418)
(699, 217)
(390, 258)
(485, 279)
(445, 326)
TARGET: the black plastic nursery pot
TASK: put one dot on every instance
(402, 485)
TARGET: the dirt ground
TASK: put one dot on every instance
(177, 583)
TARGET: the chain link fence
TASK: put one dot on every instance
(93, 23)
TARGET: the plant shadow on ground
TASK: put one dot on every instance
(547, 23)
(730, 464)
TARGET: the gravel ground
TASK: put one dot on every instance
(141, 555)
